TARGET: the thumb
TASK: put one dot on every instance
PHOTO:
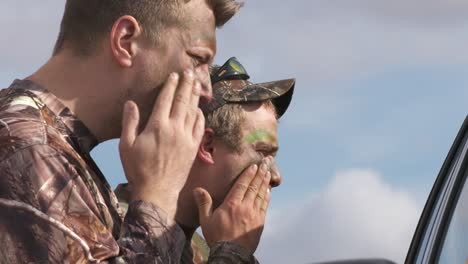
(204, 203)
(130, 121)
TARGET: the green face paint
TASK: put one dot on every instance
(258, 135)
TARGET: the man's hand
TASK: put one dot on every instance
(241, 217)
(157, 161)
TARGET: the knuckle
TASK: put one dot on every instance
(192, 113)
(253, 189)
(261, 197)
(231, 204)
(251, 215)
(156, 123)
(242, 186)
(188, 77)
(179, 98)
(204, 203)
(194, 110)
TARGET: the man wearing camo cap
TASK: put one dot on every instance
(241, 130)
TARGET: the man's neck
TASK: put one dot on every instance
(81, 85)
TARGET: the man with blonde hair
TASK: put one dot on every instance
(148, 59)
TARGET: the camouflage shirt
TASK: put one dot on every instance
(55, 204)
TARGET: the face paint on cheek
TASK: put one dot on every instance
(250, 157)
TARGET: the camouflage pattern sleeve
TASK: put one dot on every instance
(149, 236)
(59, 221)
(55, 204)
(62, 222)
(228, 253)
(196, 250)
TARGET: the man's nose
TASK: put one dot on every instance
(203, 75)
(275, 174)
(276, 179)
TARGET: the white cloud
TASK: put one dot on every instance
(357, 215)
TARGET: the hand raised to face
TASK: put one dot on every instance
(241, 217)
(157, 161)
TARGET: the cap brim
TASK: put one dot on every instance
(280, 92)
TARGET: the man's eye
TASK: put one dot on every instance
(195, 61)
(199, 60)
(267, 151)
(264, 151)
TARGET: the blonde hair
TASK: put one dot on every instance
(85, 22)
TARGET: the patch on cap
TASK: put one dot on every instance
(231, 85)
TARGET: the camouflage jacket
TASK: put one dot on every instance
(57, 207)
(196, 251)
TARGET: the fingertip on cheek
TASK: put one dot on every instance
(197, 88)
(254, 168)
(174, 76)
(189, 73)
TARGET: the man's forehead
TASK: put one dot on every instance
(201, 19)
(201, 30)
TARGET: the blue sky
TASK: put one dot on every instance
(380, 95)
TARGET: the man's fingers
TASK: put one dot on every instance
(182, 96)
(130, 121)
(255, 184)
(266, 202)
(204, 204)
(163, 105)
(237, 192)
(262, 193)
(199, 126)
(192, 108)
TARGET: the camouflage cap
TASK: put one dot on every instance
(230, 85)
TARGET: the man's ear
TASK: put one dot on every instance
(123, 40)
(207, 148)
